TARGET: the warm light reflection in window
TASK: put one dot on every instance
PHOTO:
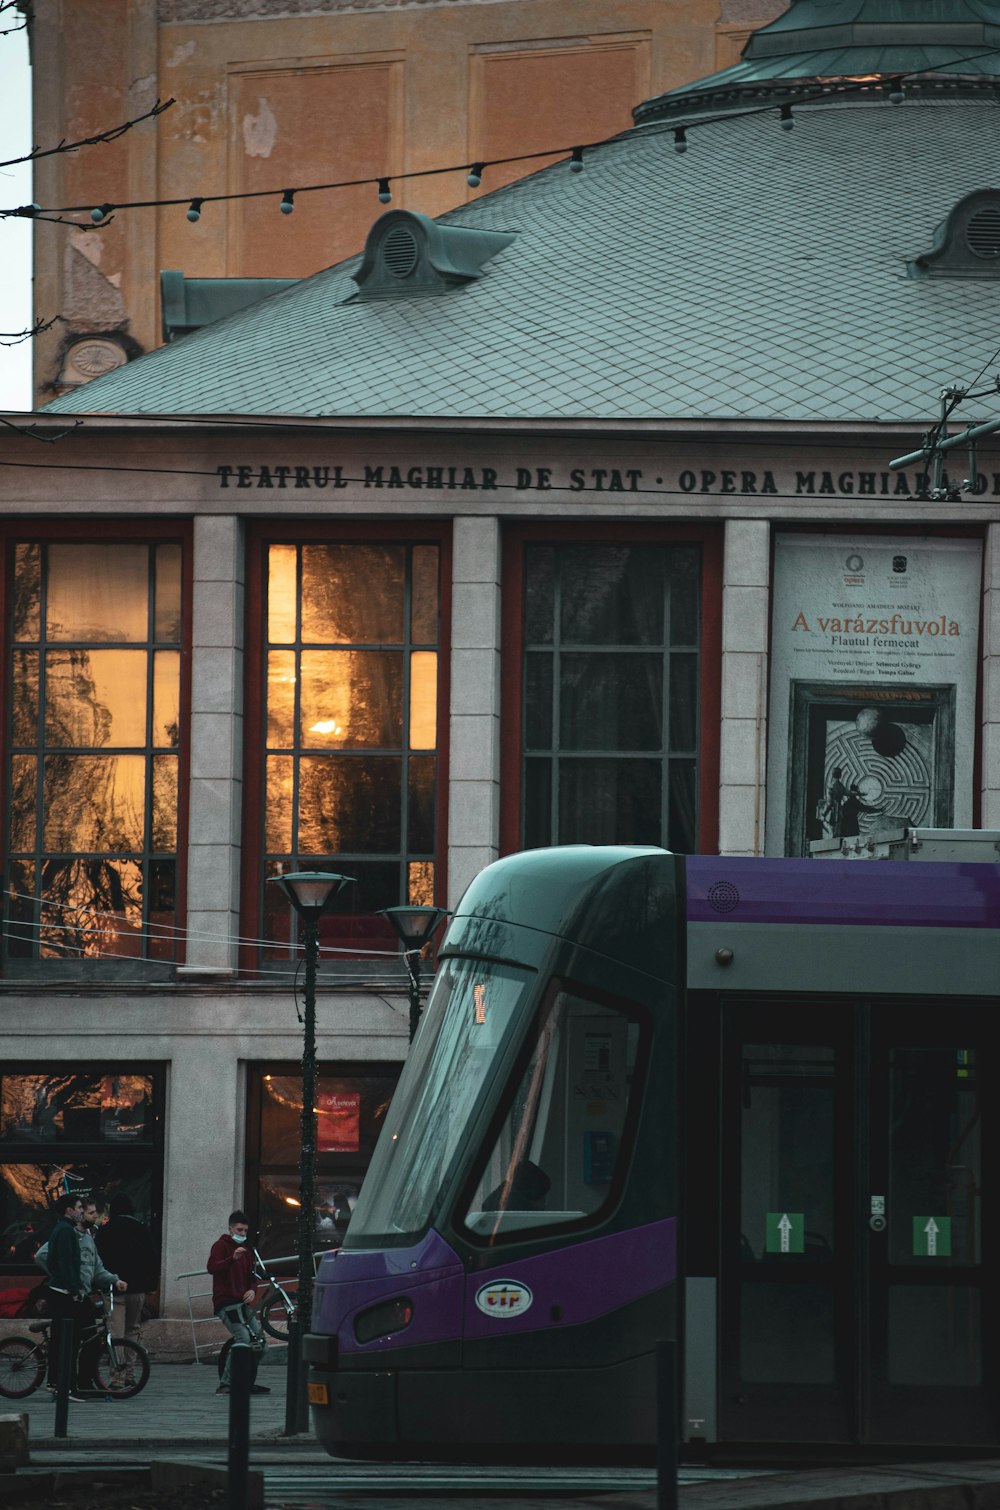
(97, 876)
(423, 700)
(351, 719)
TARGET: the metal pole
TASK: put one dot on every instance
(666, 1425)
(307, 1168)
(241, 1372)
(412, 957)
(926, 452)
(295, 1385)
(63, 1344)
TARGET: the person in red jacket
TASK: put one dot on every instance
(230, 1264)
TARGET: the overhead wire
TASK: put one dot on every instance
(172, 931)
(573, 152)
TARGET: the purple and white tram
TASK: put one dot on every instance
(753, 1103)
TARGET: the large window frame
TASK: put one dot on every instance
(709, 538)
(349, 924)
(156, 960)
(339, 1174)
(68, 1150)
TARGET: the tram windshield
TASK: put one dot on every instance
(565, 1135)
(472, 1010)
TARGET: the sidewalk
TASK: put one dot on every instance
(180, 1417)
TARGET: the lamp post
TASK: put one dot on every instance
(413, 926)
(310, 893)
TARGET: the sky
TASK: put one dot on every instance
(15, 235)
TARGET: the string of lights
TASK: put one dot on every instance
(891, 86)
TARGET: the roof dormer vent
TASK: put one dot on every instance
(967, 243)
(409, 254)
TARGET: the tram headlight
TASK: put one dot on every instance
(383, 1320)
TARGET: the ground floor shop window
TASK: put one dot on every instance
(351, 1104)
(95, 1130)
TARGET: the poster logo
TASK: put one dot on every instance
(503, 1298)
(899, 563)
(855, 562)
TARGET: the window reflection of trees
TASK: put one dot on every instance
(351, 716)
(89, 806)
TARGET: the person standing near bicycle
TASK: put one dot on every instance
(126, 1245)
(67, 1298)
(90, 1275)
(230, 1264)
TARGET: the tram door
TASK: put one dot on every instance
(860, 1273)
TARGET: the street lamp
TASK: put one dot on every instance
(413, 927)
(310, 893)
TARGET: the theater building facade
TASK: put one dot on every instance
(568, 517)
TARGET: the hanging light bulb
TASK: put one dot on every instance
(194, 210)
(101, 212)
(475, 177)
(680, 139)
(287, 204)
(384, 191)
(786, 120)
(576, 160)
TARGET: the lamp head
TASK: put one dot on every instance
(311, 891)
(413, 926)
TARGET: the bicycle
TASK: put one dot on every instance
(121, 1369)
(275, 1309)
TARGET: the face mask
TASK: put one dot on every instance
(238, 1237)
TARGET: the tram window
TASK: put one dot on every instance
(562, 1140)
(472, 1010)
(934, 1165)
(788, 1152)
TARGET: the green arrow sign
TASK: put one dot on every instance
(932, 1236)
(786, 1232)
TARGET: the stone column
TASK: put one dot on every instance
(216, 790)
(990, 792)
(743, 763)
(474, 801)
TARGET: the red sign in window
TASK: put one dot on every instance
(339, 1121)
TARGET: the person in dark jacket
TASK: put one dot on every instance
(230, 1264)
(66, 1298)
(125, 1246)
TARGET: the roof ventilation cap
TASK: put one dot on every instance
(967, 243)
(407, 254)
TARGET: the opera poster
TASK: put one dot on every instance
(874, 651)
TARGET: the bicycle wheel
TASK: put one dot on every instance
(275, 1315)
(122, 1368)
(223, 1355)
(22, 1367)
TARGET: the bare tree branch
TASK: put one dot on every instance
(111, 135)
(13, 5)
(15, 337)
(31, 431)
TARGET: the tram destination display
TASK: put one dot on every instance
(873, 686)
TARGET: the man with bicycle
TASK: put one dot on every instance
(74, 1267)
(230, 1264)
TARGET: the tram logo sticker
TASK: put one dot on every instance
(932, 1237)
(503, 1298)
(786, 1232)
